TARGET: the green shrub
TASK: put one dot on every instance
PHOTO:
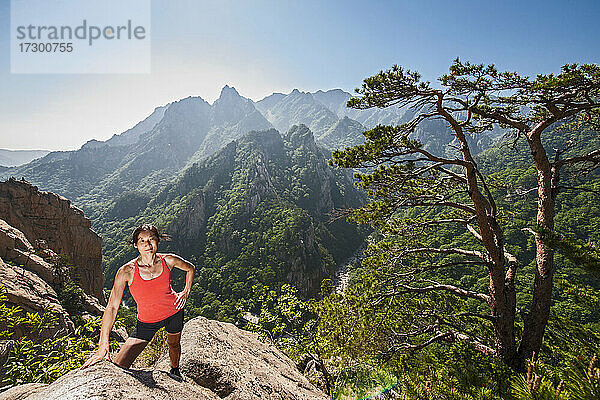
(32, 359)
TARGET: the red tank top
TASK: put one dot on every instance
(154, 297)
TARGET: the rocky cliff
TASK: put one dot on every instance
(219, 361)
(49, 221)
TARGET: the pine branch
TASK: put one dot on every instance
(436, 287)
(453, 250)
(593, 157)
(582, 189)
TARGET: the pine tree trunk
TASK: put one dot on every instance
(503, 300)
(503, 308)
(502, 292)
(539, 311)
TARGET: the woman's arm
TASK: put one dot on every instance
(109, 317)
(175, 261)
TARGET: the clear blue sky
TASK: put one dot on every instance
(261, 47)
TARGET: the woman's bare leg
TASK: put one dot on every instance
(173, 340)
(130, 350)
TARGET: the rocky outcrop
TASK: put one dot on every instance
(15, 248)
(28, 291)
(22, 391)
(47, 219)
(32, 276)
(234, 364)
(30, 282)
(219, 361)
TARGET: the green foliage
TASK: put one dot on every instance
(584, 383)
(282, 314)
(70, 296)
(347, 344)
(32, 360)
(580, 381)
(127, 317)
(128, 204)
(15, 320)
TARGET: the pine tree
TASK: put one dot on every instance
(442, 191)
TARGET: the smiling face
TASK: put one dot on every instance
(147, 243)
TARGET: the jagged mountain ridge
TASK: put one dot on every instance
(297, 108)
(336, 126)
(336, 100)
(178, 134)
(148, 155)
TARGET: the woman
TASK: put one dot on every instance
(149, 280)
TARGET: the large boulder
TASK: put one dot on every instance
(234, 364)
(22, 391)
(51, 219)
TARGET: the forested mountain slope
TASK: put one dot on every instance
(148, 155)
(256, 212)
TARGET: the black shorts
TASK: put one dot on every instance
(146, 330)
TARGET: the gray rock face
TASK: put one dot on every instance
(22, 391)
(15, 247)
(234, 364)
(30, 280)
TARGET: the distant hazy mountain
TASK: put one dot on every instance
(336, 100)
(147, 156)
(132, 135)
(297, 108)
(177, 135)
(325, 118)
(336, 126)
(435, 135)
(13, 158)
(344, 133)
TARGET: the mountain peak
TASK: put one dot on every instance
(301, 135)
(299, 95)
(229, 91)
(229, 97)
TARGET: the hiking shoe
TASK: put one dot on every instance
(175, 374)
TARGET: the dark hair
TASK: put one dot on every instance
(148, 228)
